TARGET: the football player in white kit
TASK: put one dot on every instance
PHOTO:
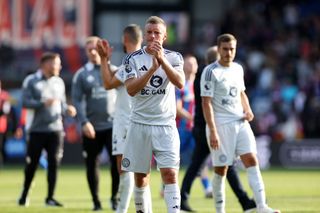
(131, 39)
(151, 74)
(227, 113)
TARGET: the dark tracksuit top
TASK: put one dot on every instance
(91, 98)
(35, 90)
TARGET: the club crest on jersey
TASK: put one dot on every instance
(223, 158)
(90, 79)
(127, 68)
(156, 81)
(233, 91)
(125, 162)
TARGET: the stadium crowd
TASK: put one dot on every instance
(278, 45)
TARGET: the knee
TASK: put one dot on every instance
(221, 170)
(169, 176)
(141, 180)
(249, 160)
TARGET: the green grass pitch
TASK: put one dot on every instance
(292, 191)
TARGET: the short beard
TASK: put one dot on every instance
(124, 49)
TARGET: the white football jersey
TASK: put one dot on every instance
(155, 104)
(224, 85)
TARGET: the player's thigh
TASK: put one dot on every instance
(54, 146)
(119, 133)
(246, 142)
(225, 155)
(138, 151)
(166, 146)
(91, 146)
(35, 145)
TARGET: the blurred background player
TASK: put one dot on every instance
(202, 153)
(227, 113)
(43, 93)
(93, 105)
(131, 39)
(185, 118)
(185, 109)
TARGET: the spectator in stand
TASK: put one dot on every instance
(5, 110)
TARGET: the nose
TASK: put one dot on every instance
(153, 35)
(93, 51)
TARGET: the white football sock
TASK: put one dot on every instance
(172, 197)
(141, 199)
(125, 191)
(219, 195)
(257, 186)
(148, 192)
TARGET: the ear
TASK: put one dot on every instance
(126, 38)
(165, 36)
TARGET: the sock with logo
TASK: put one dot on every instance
(125, 191)
(140, 199)
(148, 192)
(257, 186)
(219, 195)
(172, 197)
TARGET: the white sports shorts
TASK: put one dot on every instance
(145, 140)
(236, 139)
(119, 133)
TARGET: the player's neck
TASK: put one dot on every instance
(224, 63)
(133, 48)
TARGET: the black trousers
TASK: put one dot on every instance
(92, 149)
(52, 142)
(200, 154)
(2, 151)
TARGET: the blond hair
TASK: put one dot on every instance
(91, 39)
(156, 20)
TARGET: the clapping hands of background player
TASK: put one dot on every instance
(104, 49)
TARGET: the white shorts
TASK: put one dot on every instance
(119, 133)
(236, 139)
(145, 140)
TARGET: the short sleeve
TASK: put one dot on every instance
(120, 74)
(207, 83)
(176, 61)
(129, 69)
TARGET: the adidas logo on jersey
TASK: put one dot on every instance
(143, 68)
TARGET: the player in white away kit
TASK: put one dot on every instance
(152, 73)
(227, 113)
(132, 39)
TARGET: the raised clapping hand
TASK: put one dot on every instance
(156, 50)
(104, 49)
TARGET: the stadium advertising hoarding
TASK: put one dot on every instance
(29, 27)
(303, 153)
